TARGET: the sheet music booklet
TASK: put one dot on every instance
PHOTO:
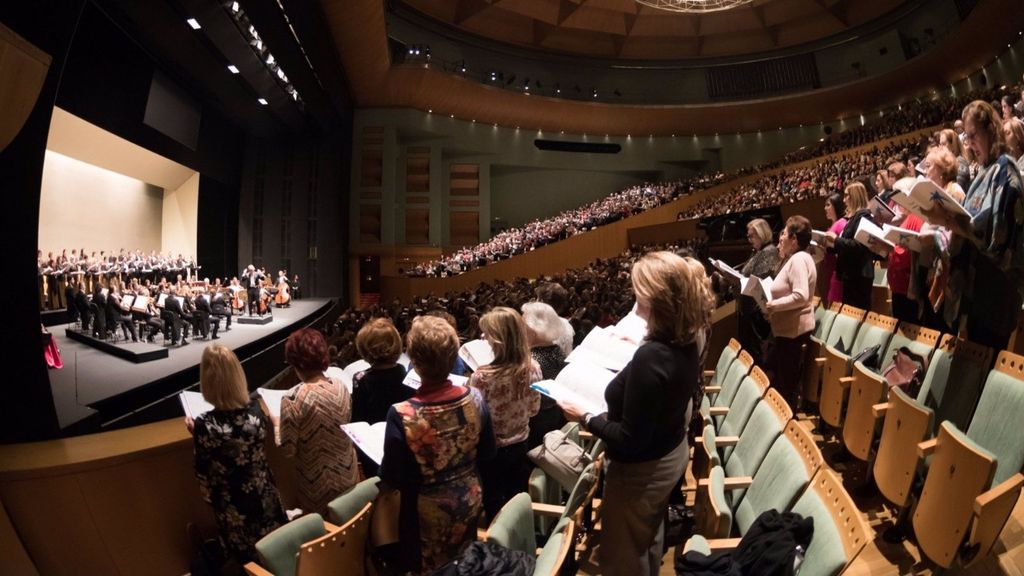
(926, 194)
(367, 437)
(902, 237)
(579, 383)
(603, 347)
(476, 353)
(880, 211)
(632, 327)
(348, 373)
(272, 399)
(193, 404)
(872, 236)
(412, 380)
(760, 289)
(729, 271)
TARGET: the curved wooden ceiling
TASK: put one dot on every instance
(358, 28)
(627, 30)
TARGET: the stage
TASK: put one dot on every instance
(96, 389)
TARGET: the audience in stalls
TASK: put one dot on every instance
(441, 498)
(311, 419)
(505, 386)
(231, 465)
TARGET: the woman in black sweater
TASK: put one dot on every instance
(855, 264)
(648, 412)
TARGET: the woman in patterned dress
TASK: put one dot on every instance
(311, 419)
(231, 467)
(432, 444)
(505, 385)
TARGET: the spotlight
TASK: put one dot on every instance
(232, 69)
(270, 60)
(234, 7)
(194, 23)
(262, 101)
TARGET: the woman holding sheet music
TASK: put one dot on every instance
(855, 263)
(231, 466)
(754, 329)
(649, 405)
(790, 307)
(505, 385)
(987, 251)
(311, 422)
(432, 445)
(543, 330)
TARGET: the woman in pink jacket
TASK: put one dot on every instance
(789, 309)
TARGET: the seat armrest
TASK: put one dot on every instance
(819, 361)
(254, 569)
(585, 435)
(845, 381)
(729, 483)
(548, 510)
(712, 389)
(724, 544)
(1008, 486)
(926, 448)
(879, 410)
(708, 374)
(718, 410)
(724, 441)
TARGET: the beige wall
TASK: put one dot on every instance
(85, 206)
(181, 218)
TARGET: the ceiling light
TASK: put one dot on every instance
(234, 7)
(194, 23)
(262, 101)
(232, 69)
(270, 59)
(693, 5)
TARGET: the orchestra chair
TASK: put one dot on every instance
(512, 528)
(823, 324)
(308, 546)
(876, 330)
(729, 354)
(908, 421)
(730, 421)
(726, 503)
(747, 451)
(721, 396)
(974, 479)
(840, 531)
(869, 388)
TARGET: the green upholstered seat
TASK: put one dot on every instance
(996, 423)
(777, 483)
(825, 556)
(762, 429)
(550, 556)
(277, 550)
(345, 507)
(513, 526)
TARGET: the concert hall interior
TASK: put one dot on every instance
(696, 271)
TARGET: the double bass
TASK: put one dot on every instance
(283, 297)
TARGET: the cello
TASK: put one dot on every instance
(283, 297)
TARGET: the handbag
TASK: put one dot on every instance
(906, 370)
(561, 458)
(868, 357)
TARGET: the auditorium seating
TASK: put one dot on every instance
(826, 333)
(742, 455)
(835, 379)
(974, 479)
(513, 529)
(721, 396)
(308, 546)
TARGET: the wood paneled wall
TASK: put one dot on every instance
(417, 195)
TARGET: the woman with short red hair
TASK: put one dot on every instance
(311, 419)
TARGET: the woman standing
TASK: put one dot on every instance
(376, 389)
(432, 445)
(790, 308)
(986, 252)
(949, 140)
(648, 412)
(855, 264)
(834, 211)
(1013, 133)
(754, 329)
(505, 385)
(231, 466)
(544, 329)
(311, 420)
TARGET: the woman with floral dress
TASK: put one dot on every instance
(231, 466)
(432, 445)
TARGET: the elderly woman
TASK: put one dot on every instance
(376, 389)
(1013, 133)
(432, 446)
(648, 413)
(754, 329)
(855, 264)
(311, 420)
(231, 466)
(790, 309)
(986, 255)
(544, 329)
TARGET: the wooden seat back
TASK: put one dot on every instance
(875, 330)
(341, 551)
(906, 424)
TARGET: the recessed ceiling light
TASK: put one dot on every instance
(232, 69)
(262, 101)
(430, 111)
(194, 23)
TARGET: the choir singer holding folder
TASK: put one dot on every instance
(855, 263)
(648, 413)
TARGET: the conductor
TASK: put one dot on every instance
(252, 279)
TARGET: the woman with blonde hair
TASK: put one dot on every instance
(949, 140)
(231, 466)
(433, 444)
(855, 264)
(505, 385)
(754, 329)
(649, 407)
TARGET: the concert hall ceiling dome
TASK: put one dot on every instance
(625, 29)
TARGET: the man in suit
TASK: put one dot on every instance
(251, 280)
(81, 303)
(220, 309)
(203, 314)
(171, 316)
(116, 316)
(100, 321)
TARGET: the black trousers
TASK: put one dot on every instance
(857, 292)
(254, 300)
(785, 365)
(504, 476)
(905, 309)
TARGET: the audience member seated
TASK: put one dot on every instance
(433, 444)
(311, 419)
(230, 463)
